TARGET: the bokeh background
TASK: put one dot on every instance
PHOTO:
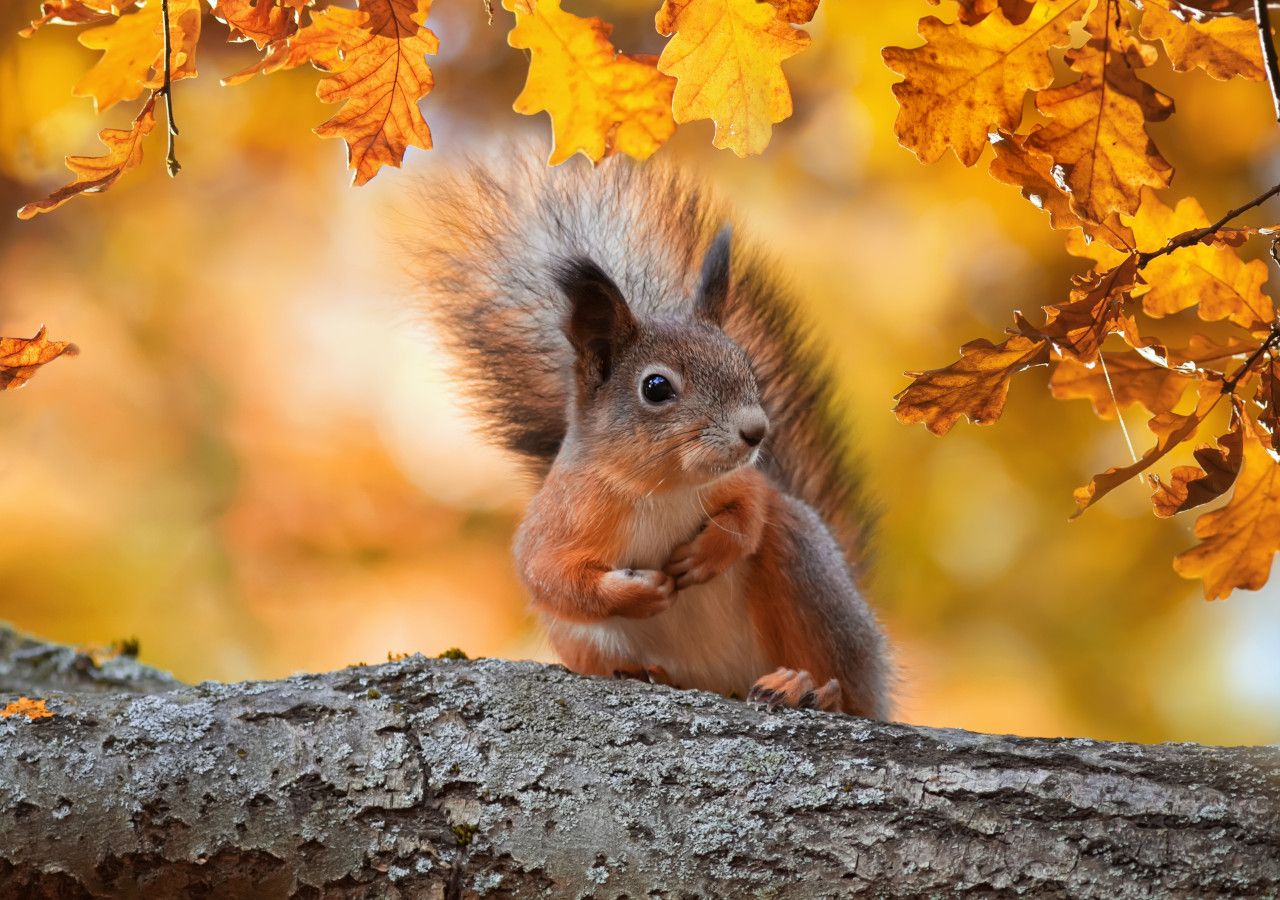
(258, 464)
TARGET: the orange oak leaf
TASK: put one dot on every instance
(321, 42)
(1097, 130)
(976, 385)
(1268, 400)
(974, 11)
(382, 77)
(1225, 47)
(76, 12)
(1078, 327)
(261, 21)
(1170, 429)
(1192, 486)
(21, 357)
(133, 52)
(97, 173)
(1032, 172)
(967, 81)
(1238, 541)
(600, 101)
(726, 57)
(797, 12)
(1133, 379)
(25, 706)
(1212, 275)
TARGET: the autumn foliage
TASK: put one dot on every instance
(1088, 159)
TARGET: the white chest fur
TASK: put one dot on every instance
(706, 639)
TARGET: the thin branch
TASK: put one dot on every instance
(1263, 15)
(172, 160)
(1229, 385)
(1187, 238)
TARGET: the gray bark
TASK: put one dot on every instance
(433, 778)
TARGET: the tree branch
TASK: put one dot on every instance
(1187, 238)
(429, 778)
(172, 159)
(1265, 37)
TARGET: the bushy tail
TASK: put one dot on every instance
(495, 236)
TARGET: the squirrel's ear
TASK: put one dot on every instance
(713, 289)
(600, 321)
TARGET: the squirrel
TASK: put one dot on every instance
(697, 521)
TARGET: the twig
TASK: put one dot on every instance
(172, 160)
(1186, 239)
(1229, 385)
(1265, 37)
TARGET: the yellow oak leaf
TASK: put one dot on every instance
(25, 706)
(976, 385)
(261, 21)
(321, 43)
(382, 77)
(974, 11)
(21, 357)
(1238, 541)
(1129, 378)
(1097, 132)
(133, 52)
(967, 81)
(726, 57)
(600, 101)
(97, 173)
(1225, 47)
(1209, 274)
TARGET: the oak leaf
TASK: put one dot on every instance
(1170, 429)
(21, 357)
(381, 79)
(1097, 130)
(974, 11)
(726, 57)
(321, 43)
(1209, 274)
(1225, 47)
(1032, 172)
(133, 52)
(975, 386)
(600, 101)
(1192, 486)
(1078, 327)
(97, 173)
(261, 21)
(76, 12)
(1238, 541)
(1128, 378)
(1268, 400)
(25, 706)
(797, 12)
(967, 81)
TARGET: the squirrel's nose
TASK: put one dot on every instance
(753, 427)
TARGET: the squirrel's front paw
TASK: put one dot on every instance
(704, 557)
(791, 687)
(640, 593)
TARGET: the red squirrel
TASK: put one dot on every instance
(697, 520)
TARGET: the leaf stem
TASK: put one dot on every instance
(1263, 15)
(172, 159)
(1186, 239)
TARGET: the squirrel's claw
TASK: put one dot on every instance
(795, 688)
(647, 674)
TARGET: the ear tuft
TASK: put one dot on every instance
(600, 322)
(713, 289)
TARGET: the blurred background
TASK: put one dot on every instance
(258, 464)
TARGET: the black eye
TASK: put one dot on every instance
(657, 389)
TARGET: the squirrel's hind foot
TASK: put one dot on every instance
(795, 688)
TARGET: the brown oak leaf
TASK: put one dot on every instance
(975, 386)
(261, 21)
(1192, 486)
(21, 357)
(1238, 541)
(1078, 327)
(1097, 130)
(97, 173)
(967, 81)
(76, 12)
(974, 11)
(1133, 379)
(321, 43)
(383, 75)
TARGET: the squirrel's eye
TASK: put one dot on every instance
(657, 389)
